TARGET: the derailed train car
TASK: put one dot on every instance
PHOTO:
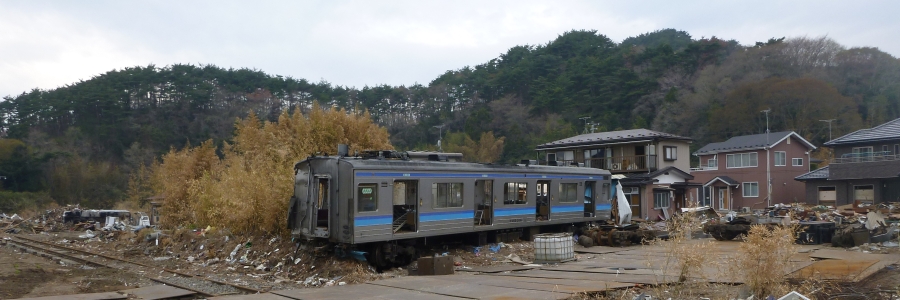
(385, 204)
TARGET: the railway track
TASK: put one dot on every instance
(204, 286)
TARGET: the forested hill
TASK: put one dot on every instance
(708, 89)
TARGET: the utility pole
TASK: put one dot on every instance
(829, 126)
(768, 162)
(440, 136)
(585, 119)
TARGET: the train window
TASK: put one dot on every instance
(515, 193)
(447, 194)
(568, 192)
(367, 197)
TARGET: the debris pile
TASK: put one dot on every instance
(845, 226)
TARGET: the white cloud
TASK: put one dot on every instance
(357, 43)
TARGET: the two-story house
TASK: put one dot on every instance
(655, 165)
(865, 168)
(734, 172)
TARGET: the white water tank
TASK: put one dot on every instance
(553, 248)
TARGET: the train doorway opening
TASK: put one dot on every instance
(589, 206)
(323, 203)
(542, 205)
(484, 202)
(405, 206)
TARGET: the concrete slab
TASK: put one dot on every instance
(265, 296)
(853, 255)
(360, 291)
(154, 292)
(91, 296)
(623, 278)
(605, 270)
(498, 269)
(442, 286)
(598, 249)
(839, 269)
(569, 287)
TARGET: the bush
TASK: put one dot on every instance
(17, 202)
(763, 259)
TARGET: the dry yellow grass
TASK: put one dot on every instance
(763, 259)
(249, 188)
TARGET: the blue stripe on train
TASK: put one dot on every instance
(604, 206)
(475, 175)
(504, 212)
(372, 220)
(566, 208)
(446, 215)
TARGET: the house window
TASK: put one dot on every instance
(712, 164)
(780, 158)
(885, 149)
(751, 189)
(661, 199)
(796, 162)
(742, 160)
(897, 149)
(862, 153)
(568, 192)
(671, 152)
(367, 197)
(447, 194)
(551, 156)
(707, 194)
(515, 193)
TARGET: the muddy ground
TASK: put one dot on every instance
(275, 263)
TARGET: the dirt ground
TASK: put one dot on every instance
(27, 275)
(275, 263)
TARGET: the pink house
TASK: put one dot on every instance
(734, 172)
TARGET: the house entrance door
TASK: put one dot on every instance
(723, 198)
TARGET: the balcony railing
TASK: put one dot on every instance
(619, 164)
(704, 168)
(866, 157)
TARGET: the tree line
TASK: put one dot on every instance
(81, 142)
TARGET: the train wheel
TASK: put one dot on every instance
(610, 239)
(380, 261)
(599, 238)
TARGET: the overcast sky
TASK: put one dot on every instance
(47, 44)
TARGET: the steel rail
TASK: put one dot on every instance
(238, 287)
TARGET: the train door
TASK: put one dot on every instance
(322, 202)
(589, 206)
(405, 208)
(542, 205)
(484, 202)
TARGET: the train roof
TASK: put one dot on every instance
(397, 164)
